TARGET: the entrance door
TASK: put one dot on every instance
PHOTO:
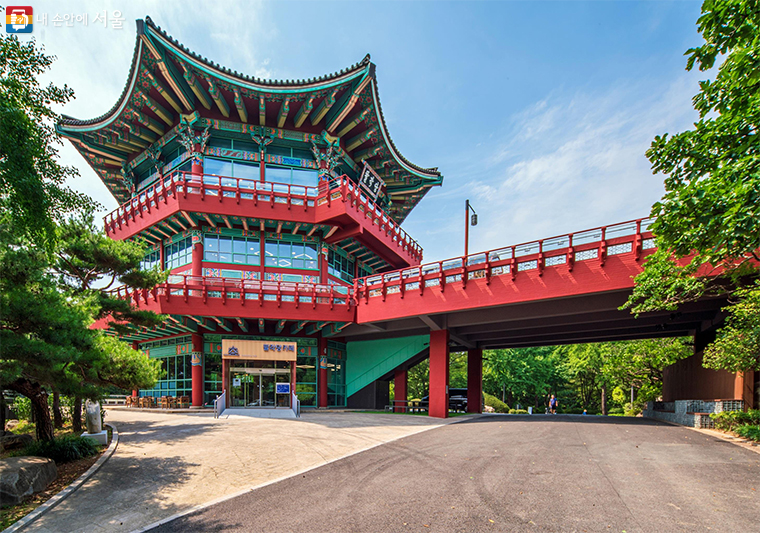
(268, 397)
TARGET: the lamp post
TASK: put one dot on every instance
(467, 221)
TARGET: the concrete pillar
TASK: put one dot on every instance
(322, 373)
(474, 380)
(399, 388)
(196, 360)
(439, 374)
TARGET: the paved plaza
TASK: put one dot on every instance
(168, 463)
(511, 473)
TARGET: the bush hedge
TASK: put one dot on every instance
(62, 449)
(731, 420)
(497, 404)
(749, 432)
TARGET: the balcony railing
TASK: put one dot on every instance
(565, 250)
(184, 287)
(237, 189)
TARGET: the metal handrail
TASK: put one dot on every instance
(220, 404)
(295, 404)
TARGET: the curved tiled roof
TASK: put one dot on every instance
(152, 41)
(259, 81)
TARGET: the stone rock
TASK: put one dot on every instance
(94, 419)
(13, 442)
(10, 425)
(23, 476)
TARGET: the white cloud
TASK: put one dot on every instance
(574, 161)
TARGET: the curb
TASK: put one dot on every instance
(65, 493)
(737, 441)
(205, 505)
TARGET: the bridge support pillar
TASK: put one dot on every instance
(474, 381)
(399, 390)
(439, 374)
(196, 362)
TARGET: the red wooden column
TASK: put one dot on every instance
(474, 380)
(197, 165)
(197, 268)
(196, 360)
(439, 374)
(226, 380)
(322, 373)
(399, 389)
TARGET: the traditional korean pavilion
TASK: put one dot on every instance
(265, 199)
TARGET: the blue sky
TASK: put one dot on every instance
(538, 112)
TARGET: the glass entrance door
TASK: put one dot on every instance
(257, 387)
(268, 397)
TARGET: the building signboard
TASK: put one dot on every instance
(259, 350)
(370, 181)
(283, 388)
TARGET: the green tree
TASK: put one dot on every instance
(525, 375)
(33, 194)
(707, 221)
(46, 342)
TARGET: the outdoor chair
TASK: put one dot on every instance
(183, 402)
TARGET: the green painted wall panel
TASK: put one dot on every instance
(366, 361)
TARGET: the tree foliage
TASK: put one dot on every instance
(33, 194)
(707, 221)
(49, 266)
(46, 341)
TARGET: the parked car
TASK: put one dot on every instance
(457, 400)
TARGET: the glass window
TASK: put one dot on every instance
(218, 167)
(216, 142)
(231, 249)
(179, 253)
(340, 266)
(245, 170)
(306, 178)
(277, 174)
(247, 146)
(152, 260)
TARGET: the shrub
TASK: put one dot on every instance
(512, 411)
(729, 420)
(519, 411)
(22, 406)
(615, 411)
(573, 411)
(62, 449)
(497, 404)
(749, 432)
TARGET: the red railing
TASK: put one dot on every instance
(562, 251)
(237, 189)
(184, 286)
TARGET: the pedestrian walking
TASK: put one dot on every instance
(553, 405)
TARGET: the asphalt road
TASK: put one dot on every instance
(513, 473)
